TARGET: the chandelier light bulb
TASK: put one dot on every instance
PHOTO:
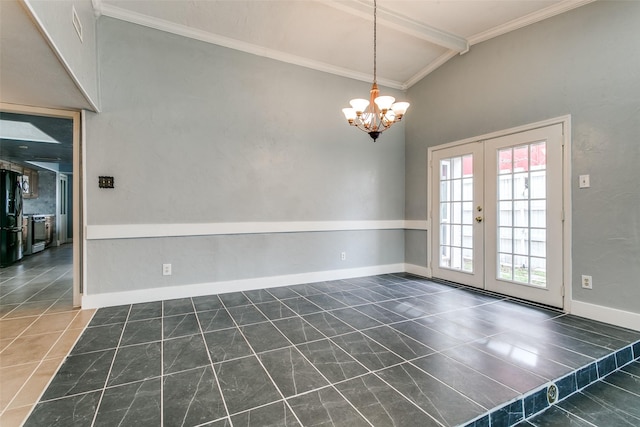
(349, 114)
(399, 108)
(384, 102)
(359, 105)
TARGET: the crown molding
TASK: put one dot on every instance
(403, 24)
(529, 19)
(115, 12)
(429, 68)
(532, 18)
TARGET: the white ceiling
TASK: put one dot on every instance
(414, 36)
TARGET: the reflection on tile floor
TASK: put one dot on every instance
(384, 350)
(38, 327)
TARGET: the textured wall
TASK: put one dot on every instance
(196, 133)
(585, 63)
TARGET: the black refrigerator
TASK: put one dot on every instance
(10, 217)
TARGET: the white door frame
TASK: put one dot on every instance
(566, 192)
(78, 180)
(62, 206)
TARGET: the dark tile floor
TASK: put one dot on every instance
(613, 401)
(385, 350)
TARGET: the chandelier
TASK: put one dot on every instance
(377, 114)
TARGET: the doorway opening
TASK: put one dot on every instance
(43, 146)
(497, 208)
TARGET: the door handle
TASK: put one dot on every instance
(478, 219)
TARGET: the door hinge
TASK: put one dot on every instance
(562, 216)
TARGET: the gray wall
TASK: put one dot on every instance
(80, 56)
(196, 133)
(585, 63)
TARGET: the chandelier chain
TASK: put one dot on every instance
(375, 41)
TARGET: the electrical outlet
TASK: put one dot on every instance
(584, 181)
(587, 282)
(166, 269)
(343, 256)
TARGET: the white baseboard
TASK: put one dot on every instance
(198, 289)
(625, 319)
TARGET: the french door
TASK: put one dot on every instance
(497, 211)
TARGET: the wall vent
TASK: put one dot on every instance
(75, 19)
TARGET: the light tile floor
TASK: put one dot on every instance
(383, 350)
(38, 328)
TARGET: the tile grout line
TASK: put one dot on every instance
(213, 369)
(255, 354)
(331, 384)
(33, 405)
(28, 300)
(369, 372)
(21, 334)
(106, 380)
(27, 283)
(161, 363)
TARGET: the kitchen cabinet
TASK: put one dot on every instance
(29, 183)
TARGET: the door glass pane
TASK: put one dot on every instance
(445, 169)
(457, 167)
(538, 185)
(521, 269)
(521, 158)
(467, 256)
(521, 213)
(456, 210)
(522, 220)
(467, 213)
(467, 236)
(467, 189)
(456, 185)
(456, 213)
(456, 258)
(505, 241)
(505, 270)
(444, 191)
(538, 271)
(456, 235)
(538, 213)
(506, 213)
(505, 187)
(521, 186)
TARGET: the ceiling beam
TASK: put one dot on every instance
(402, 23)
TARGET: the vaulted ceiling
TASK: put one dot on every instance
(414, 36)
